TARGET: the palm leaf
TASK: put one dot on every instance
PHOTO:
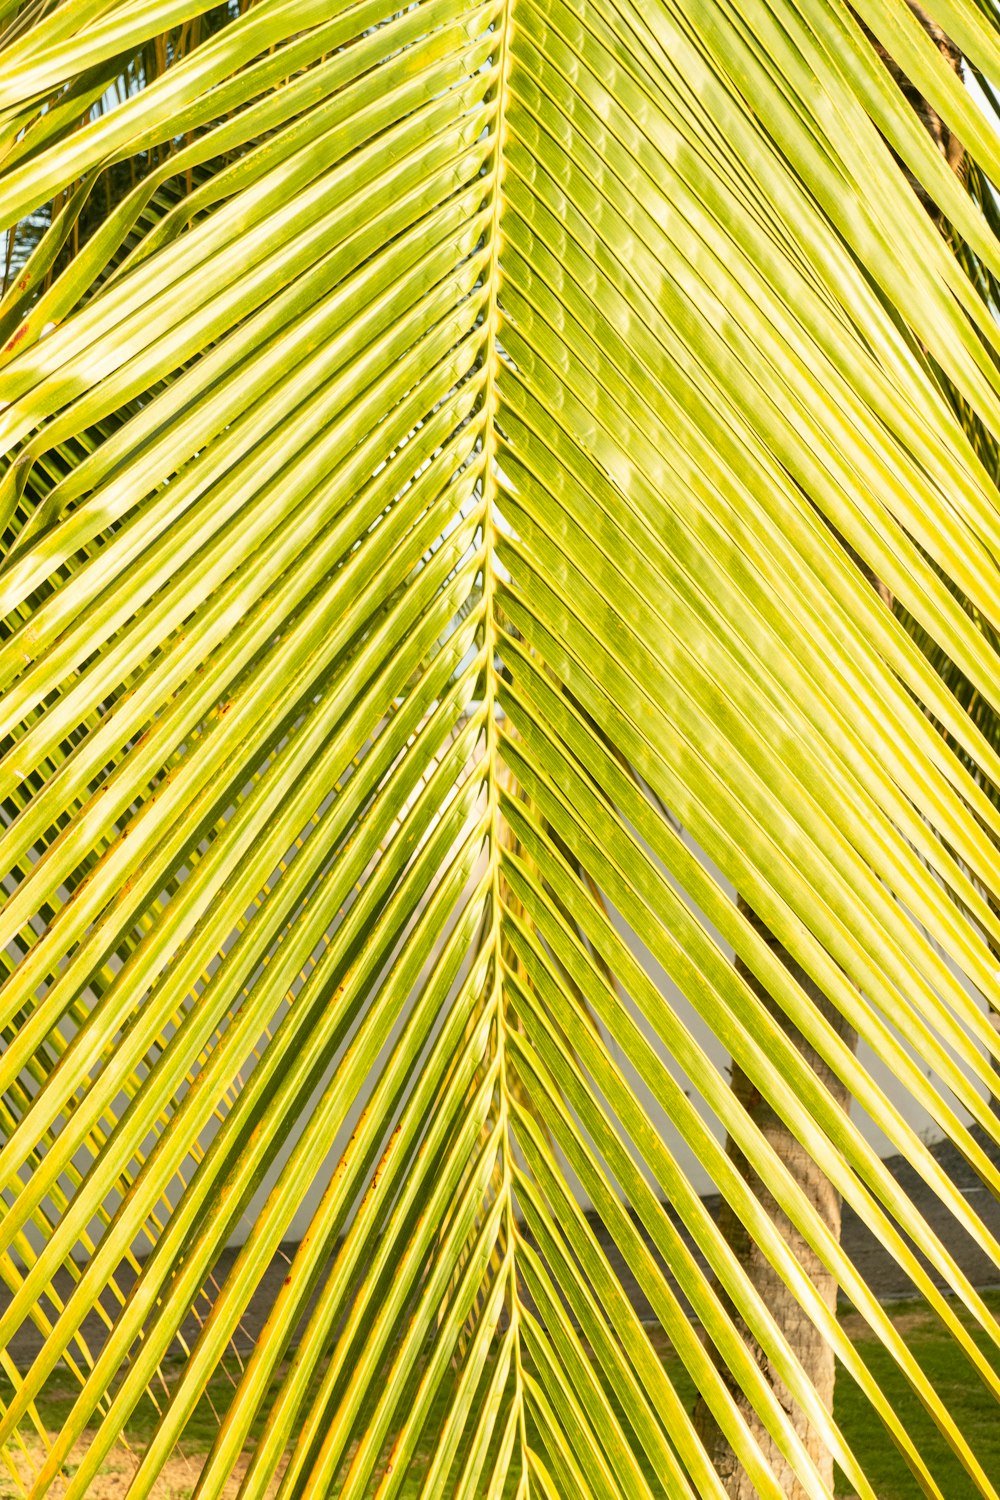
(440, 493)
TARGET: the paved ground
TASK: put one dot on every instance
(878, 1268)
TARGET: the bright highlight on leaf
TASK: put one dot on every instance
(500, 737)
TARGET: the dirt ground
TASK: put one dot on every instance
(176, 1480)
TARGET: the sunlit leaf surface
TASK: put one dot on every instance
(448, 456)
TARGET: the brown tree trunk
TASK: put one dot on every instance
(805, 1340)
(800, 1333)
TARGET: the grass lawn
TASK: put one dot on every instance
(961, 1389)
(973, 1408)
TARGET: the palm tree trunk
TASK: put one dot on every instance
(800, 1333)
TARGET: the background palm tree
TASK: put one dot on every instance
(425, 476)
(814, 1352)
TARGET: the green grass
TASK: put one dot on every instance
(962, 1391)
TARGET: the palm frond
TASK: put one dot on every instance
(446, 452)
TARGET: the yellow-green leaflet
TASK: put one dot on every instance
(500, 597)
